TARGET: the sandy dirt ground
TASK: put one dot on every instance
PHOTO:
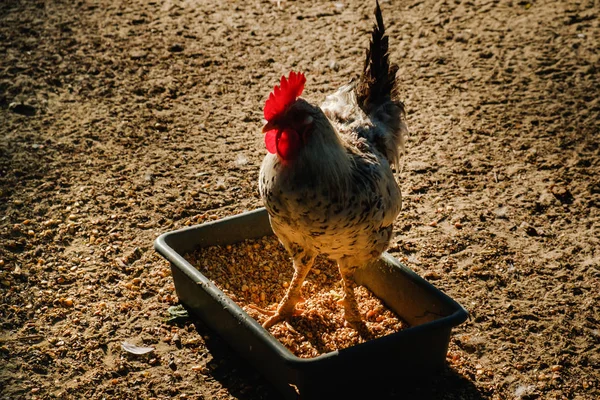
(123, 120)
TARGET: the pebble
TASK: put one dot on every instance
(176, 339)
(432, 275)
(199, 368)
(138, 54)
(68, 302)
(220, 185)
(542, 377)
(418, 166)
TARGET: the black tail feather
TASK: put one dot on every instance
(377, 84)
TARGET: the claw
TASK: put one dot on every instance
(297, 312)
(272, 321)
(287, 307)
(277, 316)
(261, 310)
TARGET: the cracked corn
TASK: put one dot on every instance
(256, 273)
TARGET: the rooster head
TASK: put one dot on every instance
(288, 117)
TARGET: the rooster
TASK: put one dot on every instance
(327, 180)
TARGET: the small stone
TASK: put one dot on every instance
(501, 212)
(220, 185)
(418, 166)
(138, 54)
(176, 339)
(200, 369)
(432, 275)
(542, 377)
(547, 199)
(562, 194)
(529, 230)
(160, 127)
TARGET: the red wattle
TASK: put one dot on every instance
(288, 144)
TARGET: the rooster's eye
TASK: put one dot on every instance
(308, 120)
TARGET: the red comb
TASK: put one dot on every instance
(285, 94)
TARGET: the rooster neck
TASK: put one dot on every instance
(324, 159)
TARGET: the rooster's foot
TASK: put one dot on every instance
(282, 313)
(262, 310)
(272, 320)
(279, 316)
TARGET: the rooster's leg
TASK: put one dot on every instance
(351, 313)
(302, 265)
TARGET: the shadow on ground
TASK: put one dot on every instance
(245, 383)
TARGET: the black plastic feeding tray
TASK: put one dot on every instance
(417, 351)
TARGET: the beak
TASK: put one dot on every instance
(269, 126)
